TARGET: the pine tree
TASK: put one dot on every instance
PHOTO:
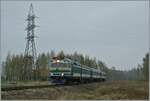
(61, 54)
(146, 66)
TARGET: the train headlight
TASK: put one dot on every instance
(51, 74)
(62, 74)
(58, 61)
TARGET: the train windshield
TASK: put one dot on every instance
(59, 65)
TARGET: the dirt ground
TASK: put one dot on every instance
(109, 90)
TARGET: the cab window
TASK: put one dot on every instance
(59, 65)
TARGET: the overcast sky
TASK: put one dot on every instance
(115, 32)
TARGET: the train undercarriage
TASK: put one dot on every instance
(73, 80)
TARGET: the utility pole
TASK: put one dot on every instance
(30, 56)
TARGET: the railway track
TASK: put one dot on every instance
(24, 87)
(33, 87)
(39, 86)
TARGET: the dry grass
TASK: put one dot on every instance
(95, 91)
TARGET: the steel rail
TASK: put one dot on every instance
(33, 87)
(24, 87)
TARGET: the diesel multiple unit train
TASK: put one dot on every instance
(63, 71)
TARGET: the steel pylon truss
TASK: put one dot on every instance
(30, 50)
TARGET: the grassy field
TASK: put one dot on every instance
(110, 90)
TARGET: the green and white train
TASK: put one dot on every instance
(68, 71)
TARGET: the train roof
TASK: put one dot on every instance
(64, 60)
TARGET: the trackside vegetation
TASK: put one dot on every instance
(13, 69)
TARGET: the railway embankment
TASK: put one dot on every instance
(109, 90)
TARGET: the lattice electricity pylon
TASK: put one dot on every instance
(30, 50)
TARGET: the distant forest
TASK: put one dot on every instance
(13, 67)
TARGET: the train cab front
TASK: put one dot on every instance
(60, 71)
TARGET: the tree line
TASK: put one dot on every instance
(14, 67)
